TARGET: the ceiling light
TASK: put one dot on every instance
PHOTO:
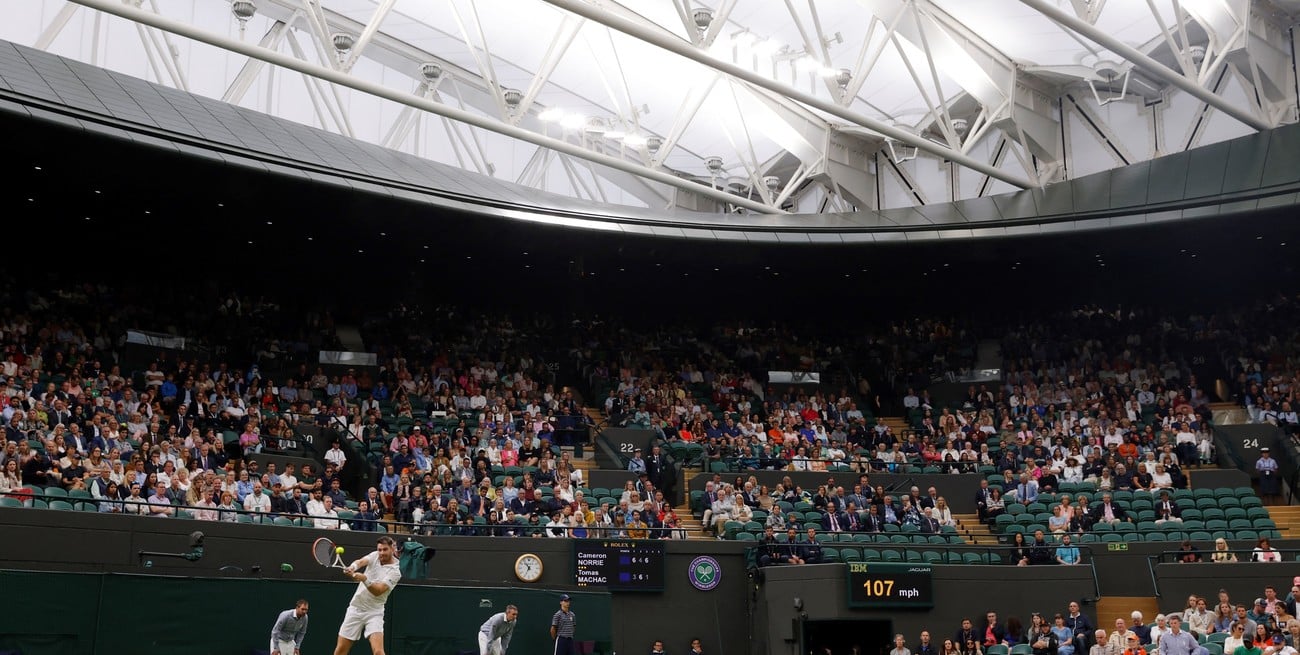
(1108, 72)
(268, 222)
(634, 140)
(573, 121)
(343, 43)
(243, 10)
(551, 115)
(807, 64)
(744, 38)
(431, 72)
(97, 191)
(310, 239)
(512, 97)
(34, 200)
(652, 143)
(767, 47)
(595, 125)
(703, 18)
(37, 167)
(383, 234)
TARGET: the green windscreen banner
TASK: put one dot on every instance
(109, 614)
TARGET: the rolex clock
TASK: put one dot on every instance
(528, 568)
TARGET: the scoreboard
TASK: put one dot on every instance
(619, 564)
(873, 585)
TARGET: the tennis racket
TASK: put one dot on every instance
(323, 550)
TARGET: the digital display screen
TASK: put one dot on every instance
(619, 564)
(893, 585)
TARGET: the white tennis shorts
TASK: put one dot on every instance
(486, 647)
(361, 624)
(285, 647)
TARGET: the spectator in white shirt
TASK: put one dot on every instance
(257, 501)
(327, 518)
(336, 456)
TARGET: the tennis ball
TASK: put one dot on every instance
(339, 550)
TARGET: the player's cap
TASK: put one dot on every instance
(1264, 449)
(564, 597)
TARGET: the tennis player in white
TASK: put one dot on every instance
(376, 575)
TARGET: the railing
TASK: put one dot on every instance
(35, 498)
(854, 464)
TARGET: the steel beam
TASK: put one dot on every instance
(235, 92)
(1151, 66)
(689, 51)
(401, 97)
(381, 12)
(56, 26)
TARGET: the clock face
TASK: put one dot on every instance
(528, 567)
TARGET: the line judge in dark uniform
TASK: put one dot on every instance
(563, 624)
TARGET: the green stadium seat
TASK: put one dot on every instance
(61, 505)
(851, 554)
(891, 556)
(10, 501)
(55, 492)
(871, 555)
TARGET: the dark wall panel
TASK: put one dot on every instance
(88, 542)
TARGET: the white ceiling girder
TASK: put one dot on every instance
(334, 76)
(1148, 64)
(847, 168)
(987, 79)
(671, 43)
(984, 73)
(472, 91)
(253, 67)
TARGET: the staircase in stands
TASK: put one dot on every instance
(1287, 518)
(974, 532)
